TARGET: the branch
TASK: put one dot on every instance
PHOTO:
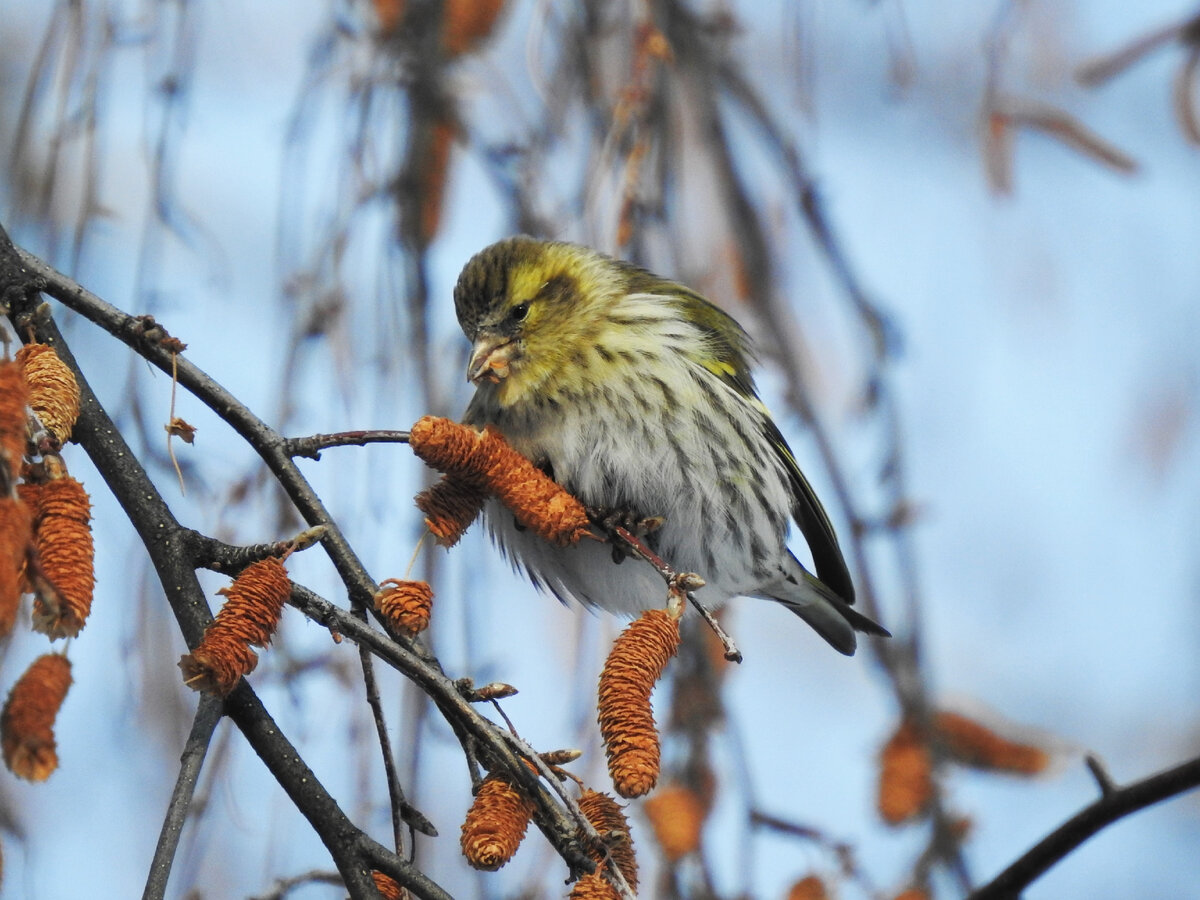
(208, 714)
(312, 445)
(1114, 803)
(500, 749)
(168, 545)
(558, 821)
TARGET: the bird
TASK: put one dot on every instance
(635, 393)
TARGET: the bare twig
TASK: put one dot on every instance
(312, 445)
(284, 886)
(1102, 68)
(1099, 771)
(1113, 805)
(208, 714)
(682, 583)
(395, 789)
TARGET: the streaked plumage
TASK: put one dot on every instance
(635, 394)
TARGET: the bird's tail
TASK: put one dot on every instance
(829, 615)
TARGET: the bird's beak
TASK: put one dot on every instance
(490, 358)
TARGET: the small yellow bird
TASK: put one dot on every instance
(635, 394)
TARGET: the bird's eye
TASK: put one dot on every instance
(519, 312)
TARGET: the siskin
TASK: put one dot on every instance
(635, 394)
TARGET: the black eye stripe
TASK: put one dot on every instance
(557, 289)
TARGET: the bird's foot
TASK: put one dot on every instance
(609, 520)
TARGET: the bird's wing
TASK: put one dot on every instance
(727, 358)
(814, 523)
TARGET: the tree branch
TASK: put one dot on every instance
(208, 714)
(1114, 804)
(168, 545)
(176, 551)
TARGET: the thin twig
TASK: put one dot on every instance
(395, 789)
(1099, 771)
(843, 851)
(312, 445)
(1113, 805)
(683, 583)
(171, 419)
(208, 714)
(284, 886)
(495, 746)
(1100, 69)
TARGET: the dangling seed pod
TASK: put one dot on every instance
(387, 887)
(53, 391)
(810, 887)
(626, 718)
(14, 397)
(905, 776)
(405, 604)
(495, 824)
(450, 506)
(971, 743)
(27, 721)
(16, 541)
(592, 886)
(62, 537)
(676, 815)
(253, 604)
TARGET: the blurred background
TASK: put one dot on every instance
(965, 236)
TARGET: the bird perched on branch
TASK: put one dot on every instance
(635, 394)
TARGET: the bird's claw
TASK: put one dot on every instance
(609, 520)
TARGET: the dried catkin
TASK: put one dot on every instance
(609, 820)
(53, 391)
(592, 886)
(971, 743)
(450, 506)
(676, 816)
(635, 663)
(387, 887)
(16, 536)
(14, 396)
(27, 722)
(62, 538)
(405, 604)
(486, 460)
(495, 824)
(253, 604)
(905, 776)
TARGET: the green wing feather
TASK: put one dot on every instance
(727, 358)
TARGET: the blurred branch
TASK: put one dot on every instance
(1104, 67)
(698, 53)
(1004, 114)
(842, 851)
(1186, 32)
(1114, 804)
(285, 886)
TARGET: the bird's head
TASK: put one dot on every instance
(529, 307)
